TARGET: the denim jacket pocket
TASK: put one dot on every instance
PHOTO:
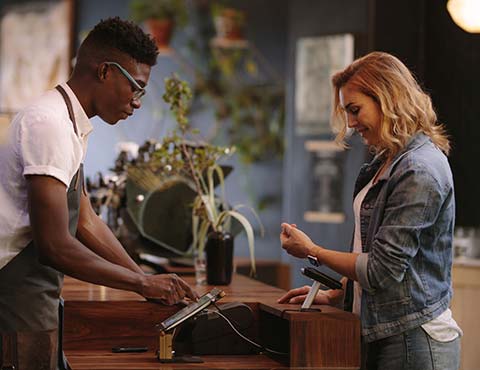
(391, 299)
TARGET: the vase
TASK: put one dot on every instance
(200, 265)
(161, 30)
(229, 24)
(219, 250)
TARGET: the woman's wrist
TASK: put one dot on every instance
(314, 250)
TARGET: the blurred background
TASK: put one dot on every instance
(286, 169)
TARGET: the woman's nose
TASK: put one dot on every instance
(351, 120)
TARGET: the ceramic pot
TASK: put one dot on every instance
(229, 24)
(161, 30)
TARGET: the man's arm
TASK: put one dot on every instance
(98, 237)
(57, 248)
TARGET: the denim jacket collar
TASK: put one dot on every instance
(368, 170)
(415, 142)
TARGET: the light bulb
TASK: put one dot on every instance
(466, 14)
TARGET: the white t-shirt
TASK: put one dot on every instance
(357, 243)
(41, 141)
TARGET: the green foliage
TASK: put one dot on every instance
(216, 7)
(230, 61)
(246, 93)
(180, 153)
(178, 94)
(223, 8)
(183, 156)
(257, 122)
(159, 9)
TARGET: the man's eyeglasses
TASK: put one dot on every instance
(138, 90)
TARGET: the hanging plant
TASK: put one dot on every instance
(246, 93)
(229, 22)
(161, 17)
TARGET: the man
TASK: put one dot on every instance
(47, 225)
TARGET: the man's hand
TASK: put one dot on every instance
(167, 288)
(296, 242)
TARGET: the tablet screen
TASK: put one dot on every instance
(189, 311)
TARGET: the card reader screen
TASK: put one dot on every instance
(189, 311)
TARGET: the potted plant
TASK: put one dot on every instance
(229, 22)
(160, 16)
(179, 155)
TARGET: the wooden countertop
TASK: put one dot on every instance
(242, 289)
(88, 360)
(85, 303)
(98, 318)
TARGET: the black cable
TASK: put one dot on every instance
(262, 348)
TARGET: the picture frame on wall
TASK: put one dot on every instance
(35, 50)
(317, 59)
(327, 160)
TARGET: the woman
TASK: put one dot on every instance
(404, 218)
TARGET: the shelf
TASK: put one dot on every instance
(224, 43)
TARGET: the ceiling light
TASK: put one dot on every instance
(466, 14)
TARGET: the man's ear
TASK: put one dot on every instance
(102, 72)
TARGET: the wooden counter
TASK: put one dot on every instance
(99, 318)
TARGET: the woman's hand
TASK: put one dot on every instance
(295, 241)
(327, 297)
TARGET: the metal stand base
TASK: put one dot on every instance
(310, 297)
(166, 354)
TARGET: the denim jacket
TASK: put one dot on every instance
(406, 221)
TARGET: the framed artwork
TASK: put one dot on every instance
(317, 59)
(35, 50)
(326, 177)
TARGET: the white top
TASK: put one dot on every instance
(357, 243)
(41, 141)
(443, 328)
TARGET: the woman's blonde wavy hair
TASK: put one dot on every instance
(406, 108)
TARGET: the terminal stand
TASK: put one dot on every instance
(166, 353)
(306, 306)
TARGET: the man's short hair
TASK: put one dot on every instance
(116, 34)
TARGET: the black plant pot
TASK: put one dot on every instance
(219, 249)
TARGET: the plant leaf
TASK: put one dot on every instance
(248, 230)
(257, 217)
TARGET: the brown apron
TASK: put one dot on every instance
(30, 293)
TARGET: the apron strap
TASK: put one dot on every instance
(8, 345)
(68, 102)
